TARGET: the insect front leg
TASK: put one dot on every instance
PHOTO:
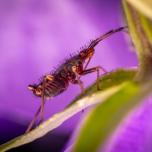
(90, 52)
(79, 82)
(75, 77)
(94, 69)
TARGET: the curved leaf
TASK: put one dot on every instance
(109, 80)
(144, 6)
(140, 29)
(104, 119)
(110, 84)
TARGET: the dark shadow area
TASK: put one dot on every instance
(52, 142)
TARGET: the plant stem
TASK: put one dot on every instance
(140, 31)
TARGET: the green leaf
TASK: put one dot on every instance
(108, 80)
(140, 29)
(144, 6)
(103, 120)
(109, 83)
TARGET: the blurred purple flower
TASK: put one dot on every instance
(135, 132)
(35, 35)
(133, 135)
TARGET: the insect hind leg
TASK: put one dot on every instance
(40, 109)
(30, 126)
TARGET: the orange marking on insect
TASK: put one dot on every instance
(38, 92)
(49, 77)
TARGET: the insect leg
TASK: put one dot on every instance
(39, 111)
(87, 63)
(102, 37)
(42, 109)
(43, 99)
(46, 78)
(79, 82)
(33, 120)
(94, 69)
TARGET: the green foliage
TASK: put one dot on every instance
(143, 6)
(119, 93)
(108, 80)
(102, 121)
(140, 29)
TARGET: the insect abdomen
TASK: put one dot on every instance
(55, 87)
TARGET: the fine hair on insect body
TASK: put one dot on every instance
(70, 71)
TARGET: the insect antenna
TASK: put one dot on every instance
(104, 36)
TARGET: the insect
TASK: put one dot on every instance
(70, 71)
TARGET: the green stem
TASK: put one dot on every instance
(140, 31)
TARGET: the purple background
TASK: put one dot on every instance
(35, 36)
